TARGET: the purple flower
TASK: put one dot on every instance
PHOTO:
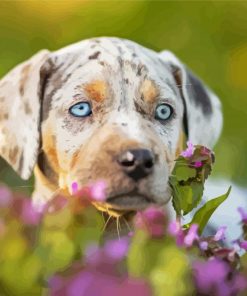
(94, 283)
(94, 192)
(203, 245)
(152, 220)
(243, 244)
(210, 276)
(117, 249)
(191, 236)
(130, 234)
(220, 234)
(97, 191)
(29, 214)
(112, 252)
(197, 164)
(175, 229)
(74, 187)
(243, 215)
(188, 152)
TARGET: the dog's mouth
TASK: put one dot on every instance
(122, 203)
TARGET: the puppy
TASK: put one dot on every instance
(104, 109)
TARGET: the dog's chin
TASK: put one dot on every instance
(119, 205)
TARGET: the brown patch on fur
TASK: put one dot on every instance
(24, 75)
(49, 147)
(96, 90)
(21, 159)
(4, 116)
(149, 91)
(139, 108)
(2, 99)
(94, 56)
(13, 154)
(27, 108)
(180, 144)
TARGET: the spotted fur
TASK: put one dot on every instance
(123, 82)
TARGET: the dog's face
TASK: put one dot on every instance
(110, 110)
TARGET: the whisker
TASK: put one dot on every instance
(117, 223)
(106, 223)
(128, 226)
(102, 214)
(23, 186)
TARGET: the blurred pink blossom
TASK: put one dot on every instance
(153, 220)
(220, 234)
(197, 164)
(191, 236)
(243, 215)
(97, 191)
(188, 152)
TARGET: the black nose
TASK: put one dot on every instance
(137, 163)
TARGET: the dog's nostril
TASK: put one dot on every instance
(149, 164)
(137, 163)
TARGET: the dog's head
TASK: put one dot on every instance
(106, 109)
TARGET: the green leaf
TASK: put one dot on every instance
(186, 198)
(183, 173)
(202, 216)
(187, 181)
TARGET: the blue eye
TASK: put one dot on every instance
(82, 109)
(163, 112)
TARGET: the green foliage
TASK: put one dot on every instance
(202, 216)
(188, 177)
(161, 262)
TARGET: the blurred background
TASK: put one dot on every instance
(210, 37)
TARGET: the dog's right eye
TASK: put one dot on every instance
(82, 109)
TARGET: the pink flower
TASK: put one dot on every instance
(203, 245)
(94, 192)
(191, 236)
(220, 234)
(151, 220)
(28, 213)
(197, 164)
(243, 244)
(188, 152)
(97, 191)
(74, 187)
(175, 229)
(243, 215)
(117, 249)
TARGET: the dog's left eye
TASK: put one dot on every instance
(163, 112)
(82, 109)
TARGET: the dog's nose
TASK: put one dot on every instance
(137, 163)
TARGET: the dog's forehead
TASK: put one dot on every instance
(94, 56)
(99, 65)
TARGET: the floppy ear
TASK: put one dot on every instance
(20, 93)
(202, 108)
